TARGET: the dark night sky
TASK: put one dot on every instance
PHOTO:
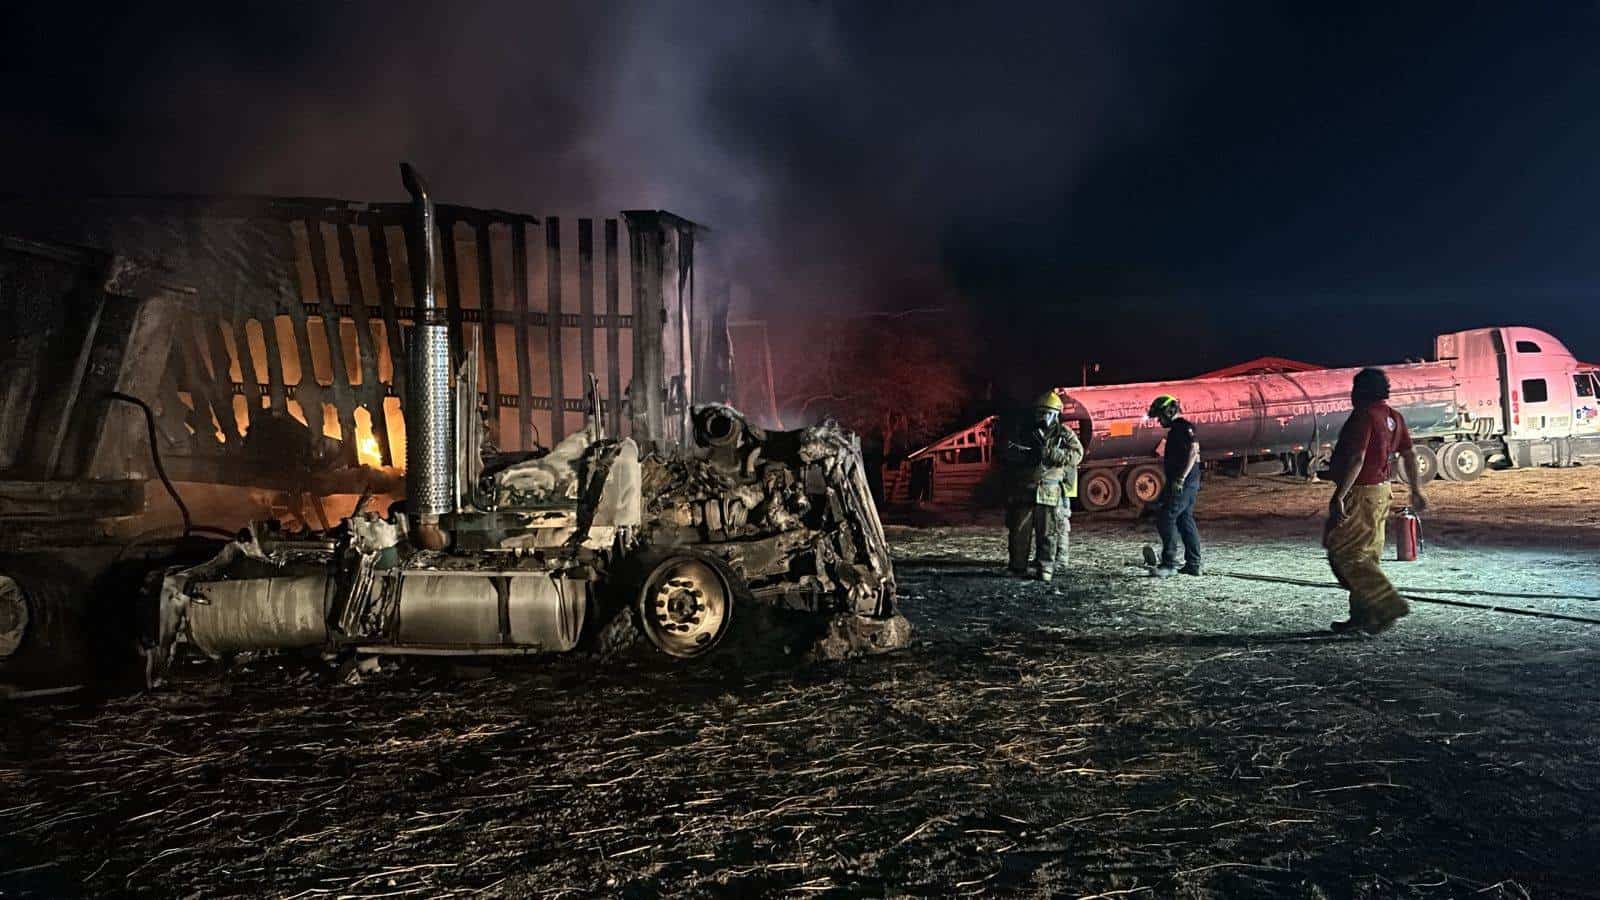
(1162, 187)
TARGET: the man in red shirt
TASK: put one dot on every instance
(1360, 504)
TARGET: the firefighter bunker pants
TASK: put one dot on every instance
(1044, 529)
(1354, 547)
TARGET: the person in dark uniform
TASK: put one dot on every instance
(1175, 516)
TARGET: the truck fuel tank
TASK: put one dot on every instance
(273, 613)
(542, 611)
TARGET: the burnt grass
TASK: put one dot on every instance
(1105, 735)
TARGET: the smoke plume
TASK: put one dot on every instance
(835, 149)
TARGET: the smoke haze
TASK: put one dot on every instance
(1163, 188)
(830, 146)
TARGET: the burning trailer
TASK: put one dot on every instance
(660, 517)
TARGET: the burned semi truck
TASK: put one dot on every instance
(658, 513)
(595, 542)
(1504, 396)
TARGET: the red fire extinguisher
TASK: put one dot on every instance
(1407, 534)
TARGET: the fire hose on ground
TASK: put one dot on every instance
(1417, 598)
(1413, 597)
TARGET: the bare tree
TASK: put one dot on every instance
(898, 385)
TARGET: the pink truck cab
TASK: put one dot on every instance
(1525, 392)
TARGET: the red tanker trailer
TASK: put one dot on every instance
(1509, 396)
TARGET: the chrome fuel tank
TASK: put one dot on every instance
(475, 610)
(275, 613)
(445, 605)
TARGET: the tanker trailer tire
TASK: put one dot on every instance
(1144, 484)
(1461, 461)
(1099, 490)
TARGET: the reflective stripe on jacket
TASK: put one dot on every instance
(1050, 470)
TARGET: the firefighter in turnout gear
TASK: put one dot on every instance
(1353, 536)
(1041, 456)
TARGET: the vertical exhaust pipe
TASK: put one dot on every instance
(430, 425)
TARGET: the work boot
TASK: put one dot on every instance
(1015, 573)
(1150, 558)
(1163, 572)
(1346, 626)
(1387, 619)
(1379, 626)
(1192, 569)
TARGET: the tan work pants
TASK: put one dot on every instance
(1354, 547)
(1043, 529)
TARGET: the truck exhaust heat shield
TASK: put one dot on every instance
(430, 424)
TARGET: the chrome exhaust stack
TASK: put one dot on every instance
(430, 425)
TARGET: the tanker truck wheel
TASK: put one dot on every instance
(1099, 490)
(1427, 462)
(1145, 483)
(1461, 461)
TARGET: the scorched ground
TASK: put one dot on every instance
(1105, 735)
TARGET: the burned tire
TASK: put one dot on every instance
(757, 638)
(619, 637)
(685, 604)
(1144, 484)
(1461, 461)
(13, 615)
(50, 632)
(1099, 490)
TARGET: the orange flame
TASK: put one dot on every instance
(368, 452)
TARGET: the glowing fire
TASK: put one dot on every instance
(367, 450)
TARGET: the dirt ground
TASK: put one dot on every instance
(1108, 735)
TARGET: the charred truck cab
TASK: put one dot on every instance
(599, 542)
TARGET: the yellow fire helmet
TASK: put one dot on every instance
(1050, 400)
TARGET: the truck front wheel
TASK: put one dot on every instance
(685, 604)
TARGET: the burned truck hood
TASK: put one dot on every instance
(789, 510)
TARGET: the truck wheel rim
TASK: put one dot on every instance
(1466, 461)
(685, 607)
(1425, 467)
(1099, 491)
(1146, 487)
